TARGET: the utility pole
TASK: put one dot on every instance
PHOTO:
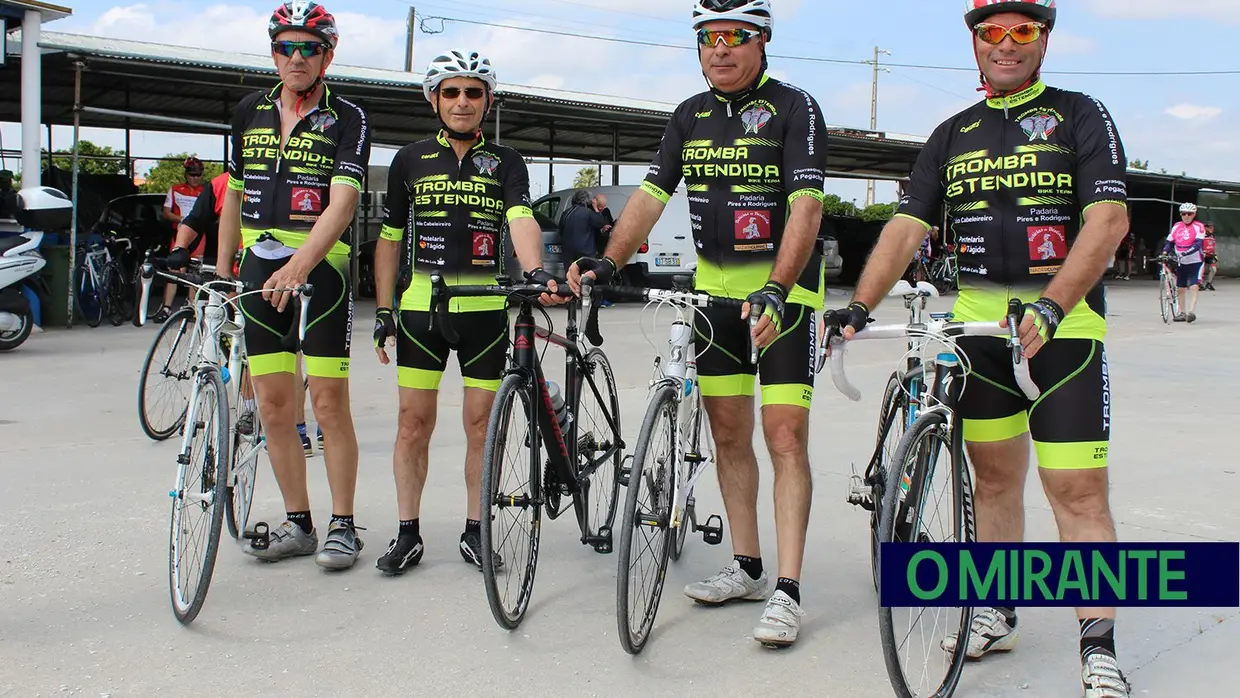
(869, 186)
(411, 28)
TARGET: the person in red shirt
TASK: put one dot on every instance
(180, 202)
(1209, 249)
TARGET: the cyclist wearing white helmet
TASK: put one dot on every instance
(1187, 240)
(299, 156)
(752, 157)
(1035, 179)
(448, 198)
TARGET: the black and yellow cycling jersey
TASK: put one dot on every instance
(285, 188)
(451, 212)
(743, 164)
(1016, 175)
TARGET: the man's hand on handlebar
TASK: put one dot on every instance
(1037, 327)
(542, 277)
(602, 270)
(385, 333)
(178, 258)
(769, 302)
(849, 321)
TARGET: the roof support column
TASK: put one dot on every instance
(498, 112)
(551, 159)
(615, 158)
(73, 195)
(32, 98)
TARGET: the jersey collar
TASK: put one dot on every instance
(442, 137)
(324, 102)
(1014, 100)
(744, 93)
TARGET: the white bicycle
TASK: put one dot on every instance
(209, 483)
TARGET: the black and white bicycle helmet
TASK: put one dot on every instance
(457, 63)
(755, 12)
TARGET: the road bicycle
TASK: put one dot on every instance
(904, 515)
(541, 446)
(100, 285)
(1168, 297)
(673, 448)
(209, 482)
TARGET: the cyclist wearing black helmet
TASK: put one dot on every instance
(299, 155)
(1034, 186)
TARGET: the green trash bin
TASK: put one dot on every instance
(56, 274)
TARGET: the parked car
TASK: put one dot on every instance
(138, 217)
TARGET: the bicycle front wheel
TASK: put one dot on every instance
(511, 502)
(199, 500)
(164, 386)
(598, 446)
(920, 645)
(1166, 298)
(644, 542)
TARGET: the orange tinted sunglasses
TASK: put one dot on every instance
(1025, 33)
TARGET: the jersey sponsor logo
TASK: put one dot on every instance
(1040, 125)
(429, 156)
(1047, 242)
(486, 163)
(306, 200)
(484, 249)
(972, 249)
(321, 121)
(702, 114)
(756, 115)
(980, 271)
(972, 240)
(1106, 396)
(752, 230)
(970, 127)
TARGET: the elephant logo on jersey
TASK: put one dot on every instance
(755, 119)
(1040, 125)
(486, 164)
(321, 121)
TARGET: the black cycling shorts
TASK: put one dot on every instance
(329, 327)
(422, 352)
(787, 365)
(1070, 422)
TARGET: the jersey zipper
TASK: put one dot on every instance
(1003, 223)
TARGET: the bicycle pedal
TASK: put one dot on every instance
(626, 471)
(859, 493)
(712, 530)
(260, 537)
(602, 542)
(694, 458)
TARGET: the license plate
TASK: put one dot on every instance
(667, 261)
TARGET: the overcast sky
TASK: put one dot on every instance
(1181, 123)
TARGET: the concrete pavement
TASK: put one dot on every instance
(83, 550)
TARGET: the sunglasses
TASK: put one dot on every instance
(1188, 214)
(1025, 33)
(305, 48)
(730, 37)
(455, 92)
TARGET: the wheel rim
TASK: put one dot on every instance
(193, 502)
(648, 528)
(594, 439)
(512, 527)
(167, 379)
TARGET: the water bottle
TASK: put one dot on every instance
(557, 403)
(679, 338)
(225, 374)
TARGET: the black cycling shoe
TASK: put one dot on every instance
(403, 552)
(471, 551)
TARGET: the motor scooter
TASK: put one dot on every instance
(39, 210)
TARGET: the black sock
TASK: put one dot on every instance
(343, 519)
(751, 566)
(1097, 635)
(474, 527)
(791, 587)
(1008, 613)
(409, 529)
(302, 519)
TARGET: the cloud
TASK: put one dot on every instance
(1071, 44)
(1193, 112)
(1227, 10)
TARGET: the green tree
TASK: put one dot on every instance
(1140, 164)
(878, 212)
(87, 164)
(832, 205)
(585, 178)
(170, 170)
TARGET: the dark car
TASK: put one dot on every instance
(139, 217)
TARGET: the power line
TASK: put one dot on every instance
(834, 61)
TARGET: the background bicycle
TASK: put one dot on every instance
(102, 286)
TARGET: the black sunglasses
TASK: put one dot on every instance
(306, 48)
(455, 92)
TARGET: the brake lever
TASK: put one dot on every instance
(1013, 318)
(305, 291)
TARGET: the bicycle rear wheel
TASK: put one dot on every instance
(916, 516)
(598, 444)
(242, 476)
(690, 460)
(88, 302)
(199, 500)
(164, 386)
(120, 300)
(511, 502)
(892, 420)
(644, 529)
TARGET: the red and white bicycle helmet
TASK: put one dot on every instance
(193, 165)
(977, 10)
(307, 16)
(755, 12)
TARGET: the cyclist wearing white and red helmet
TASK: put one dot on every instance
(1186, 242)
(177, 205)
(1037, 177)
(299, 154)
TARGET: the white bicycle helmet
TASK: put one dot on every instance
(755, 12)
(457, 64)
(1188, 208)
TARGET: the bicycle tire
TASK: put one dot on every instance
(700, 424)
(182, 322)
(609, 473)
(87, 301)
(215, 465)
(515, 390)
(662, 406)
(891, 423)
(118, 303)
(1165, 299)
(894, 515)
(243, 476)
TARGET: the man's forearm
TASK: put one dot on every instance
(1095, 246)
(230, 231)
(526, 243)
(170, 216)
(186, 235)
(800, 236)
(890, 257)
(387, 253)
(636, 222)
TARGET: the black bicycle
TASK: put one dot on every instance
(542, 447)
(917, 506)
